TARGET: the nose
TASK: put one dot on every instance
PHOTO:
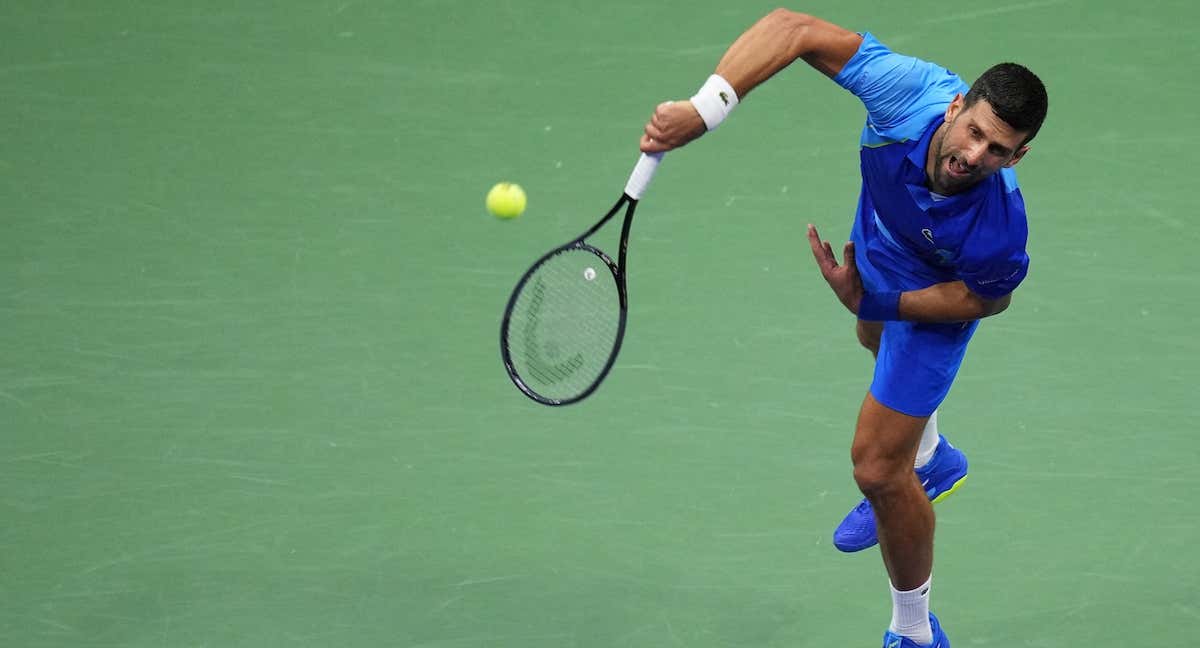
(973, 154)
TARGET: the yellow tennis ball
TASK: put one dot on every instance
(506, 200)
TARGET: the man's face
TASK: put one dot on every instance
(975, 145)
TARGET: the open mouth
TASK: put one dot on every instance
(956, 168)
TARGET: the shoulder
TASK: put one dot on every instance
(875, 61)
(1001, 227)
(993, 260)
(902, 93)
(1008, 185)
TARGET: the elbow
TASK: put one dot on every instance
(788, 18)
(992, 307)
(792, 23)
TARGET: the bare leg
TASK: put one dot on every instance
(869, 335)
(885, 444)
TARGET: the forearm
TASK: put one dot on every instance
(948, 302)
(770, 45)
(777, 40)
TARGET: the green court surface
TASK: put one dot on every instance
(251, 393)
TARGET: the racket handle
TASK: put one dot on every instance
(642, 173)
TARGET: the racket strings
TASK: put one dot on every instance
(564, 324)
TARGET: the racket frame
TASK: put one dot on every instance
(618, 271)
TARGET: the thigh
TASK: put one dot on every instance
(886, 439)
(917, 363)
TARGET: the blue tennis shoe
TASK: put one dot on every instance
(944, 473)
(893, 640)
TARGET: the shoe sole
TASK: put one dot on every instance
(950, 492)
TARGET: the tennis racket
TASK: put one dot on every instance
(564, 322)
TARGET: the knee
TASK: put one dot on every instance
(878, 475)
(869, 335)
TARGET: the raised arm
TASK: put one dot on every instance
(778, 39)
(770, 45)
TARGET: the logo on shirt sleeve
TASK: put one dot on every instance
(984, 282)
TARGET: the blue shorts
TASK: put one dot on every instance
(917, 362)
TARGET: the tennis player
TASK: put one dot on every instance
(938, 243)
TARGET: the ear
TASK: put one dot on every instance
(1017, 156)
(954, 108)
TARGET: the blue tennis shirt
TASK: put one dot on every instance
(911, 237)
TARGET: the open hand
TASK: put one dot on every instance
(843, 279)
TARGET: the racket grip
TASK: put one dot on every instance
(643, 171)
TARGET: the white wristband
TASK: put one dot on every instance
(714, 101)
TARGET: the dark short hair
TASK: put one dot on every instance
(1015, 94)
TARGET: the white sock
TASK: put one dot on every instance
(910, 614)
(929, 441)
